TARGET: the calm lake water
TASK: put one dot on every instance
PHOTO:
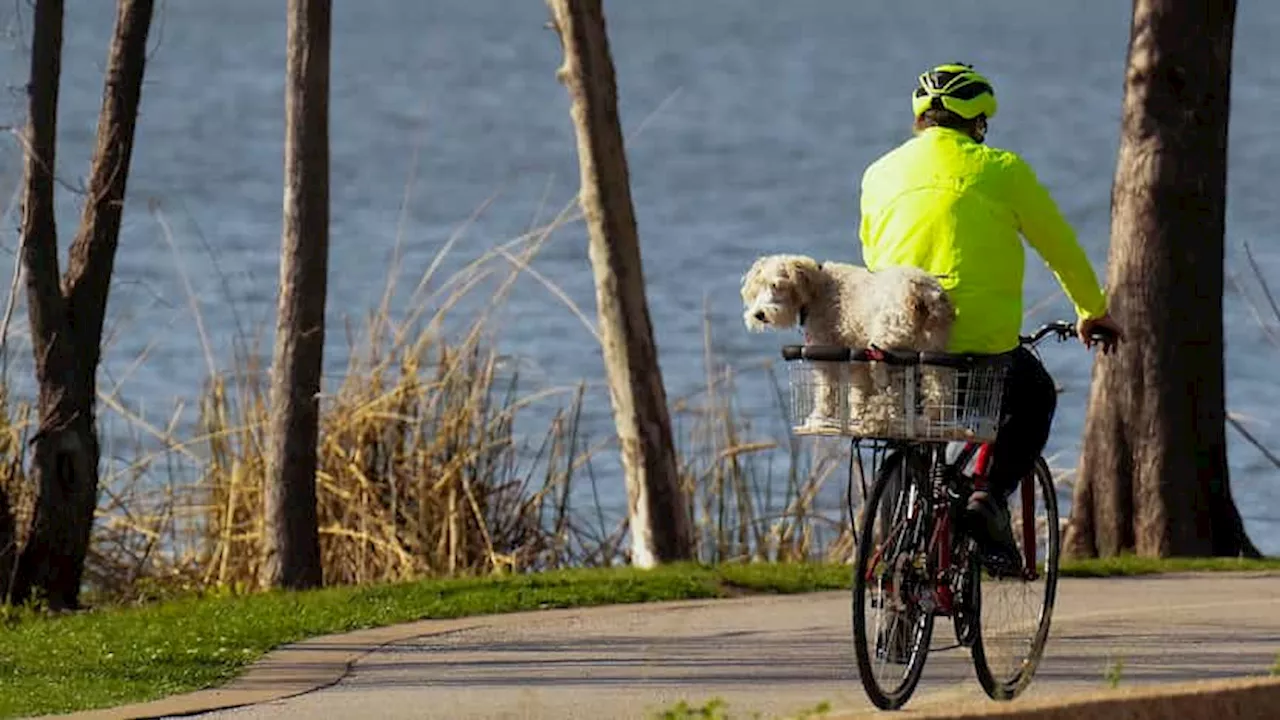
(749, 121)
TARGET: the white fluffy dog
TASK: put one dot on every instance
(896, 308)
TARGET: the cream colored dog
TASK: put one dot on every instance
(896, 308)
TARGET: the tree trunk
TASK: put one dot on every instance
(49, 560)
(293, 545)
(66, 317)
(93, 251)
(1153, 473)
(659, 522)
(39, 227)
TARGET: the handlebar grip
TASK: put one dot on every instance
(819, 353)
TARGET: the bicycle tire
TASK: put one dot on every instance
(915, 531)
(1009, 686)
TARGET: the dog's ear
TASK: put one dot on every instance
(751, 279)
(805, 272)
(930, 306)
(918, 307)
(782, 273)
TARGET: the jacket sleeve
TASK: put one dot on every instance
(1044, 227)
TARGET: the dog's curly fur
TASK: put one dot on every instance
(895, 308)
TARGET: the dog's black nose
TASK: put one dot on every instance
(760, 315)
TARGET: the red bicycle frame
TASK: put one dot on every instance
(941, 538)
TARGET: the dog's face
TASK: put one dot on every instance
(775, 289)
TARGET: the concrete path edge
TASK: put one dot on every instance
(1250, 698)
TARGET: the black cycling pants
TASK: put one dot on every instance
(1030, 399)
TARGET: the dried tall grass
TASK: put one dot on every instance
(421, 469)
(756, 495)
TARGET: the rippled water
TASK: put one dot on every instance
(750, 123)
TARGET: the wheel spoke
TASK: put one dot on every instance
(891, 630)
(1015, 612)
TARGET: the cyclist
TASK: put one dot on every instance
(946, 202)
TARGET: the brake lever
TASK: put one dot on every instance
(1106, 341)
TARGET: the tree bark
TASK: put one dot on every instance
(293, 545)
(39, 226)
(1153, 474)
(659, 523)
(66, 317)
(93, 252)
(48, 561)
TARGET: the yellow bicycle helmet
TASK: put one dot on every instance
(955, 87)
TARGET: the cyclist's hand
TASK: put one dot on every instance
(1105, 326)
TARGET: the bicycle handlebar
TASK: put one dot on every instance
(834, 353)
(1065, 331)
(837, 353)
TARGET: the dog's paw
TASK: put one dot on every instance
(819, 423)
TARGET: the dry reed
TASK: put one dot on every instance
(421, 469)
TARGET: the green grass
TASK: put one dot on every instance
(115, 656)
(119, 655)
(718, 709)
(713, 709)
(1128, 565)
(1114, 673)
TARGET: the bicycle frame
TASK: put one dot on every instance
(939, 547)
(940, 552)
(942, 546)
(1026, 495)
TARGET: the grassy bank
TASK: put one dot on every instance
(1132, 565)
(127, 654)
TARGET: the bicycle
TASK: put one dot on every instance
(919, 564)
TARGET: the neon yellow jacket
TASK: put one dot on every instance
(954, 207)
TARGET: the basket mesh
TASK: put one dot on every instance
(896, 402)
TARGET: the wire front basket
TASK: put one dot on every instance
(880, 400)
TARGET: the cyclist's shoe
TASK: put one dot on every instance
(987, 522)
(893, 641)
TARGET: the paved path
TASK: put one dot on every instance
(780, 654)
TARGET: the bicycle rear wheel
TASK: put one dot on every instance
(1015, 612)
(891, 628)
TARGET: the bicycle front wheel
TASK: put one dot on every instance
(892, 625)
(1015, 612)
